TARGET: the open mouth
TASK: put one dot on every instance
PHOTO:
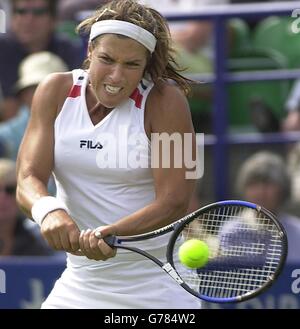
(112, 90)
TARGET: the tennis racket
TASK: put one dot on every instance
(247, 245)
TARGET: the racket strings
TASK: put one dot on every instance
(245, 250)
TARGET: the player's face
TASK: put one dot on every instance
(117, 65)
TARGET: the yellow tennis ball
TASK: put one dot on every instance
(193, 253)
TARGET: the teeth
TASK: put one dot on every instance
(112, 90)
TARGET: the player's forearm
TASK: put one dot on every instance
(151, 217)
(29, 190)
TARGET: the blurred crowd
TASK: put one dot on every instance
(41, 40)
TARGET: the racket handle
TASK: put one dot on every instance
(110, 240)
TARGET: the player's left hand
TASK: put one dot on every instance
(93, 246)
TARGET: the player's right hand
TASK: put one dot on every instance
(60, 231)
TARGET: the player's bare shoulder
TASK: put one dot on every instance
(167, 104)
(52, 92)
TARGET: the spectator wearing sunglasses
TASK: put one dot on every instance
(16, 237)
(32, 29)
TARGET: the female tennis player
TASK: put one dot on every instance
(92, 129)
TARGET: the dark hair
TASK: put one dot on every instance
(162, 64)
(51, 4)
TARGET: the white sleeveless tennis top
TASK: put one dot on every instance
(102, 172)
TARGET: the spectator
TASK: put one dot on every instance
(68, 9)
(292, 120)
(193, 41)
(293, 163)
(70, 12)
(33, 69)
(32, 29)
(16, 239)
(263, 179)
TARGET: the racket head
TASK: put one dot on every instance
(248, 249)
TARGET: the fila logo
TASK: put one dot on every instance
(89, 144)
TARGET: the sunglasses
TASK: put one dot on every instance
(34, 11)
(9, 189)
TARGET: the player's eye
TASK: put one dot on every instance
(106, 60)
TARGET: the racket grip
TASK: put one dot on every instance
(110, 240)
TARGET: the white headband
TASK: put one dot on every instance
(124, 28)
